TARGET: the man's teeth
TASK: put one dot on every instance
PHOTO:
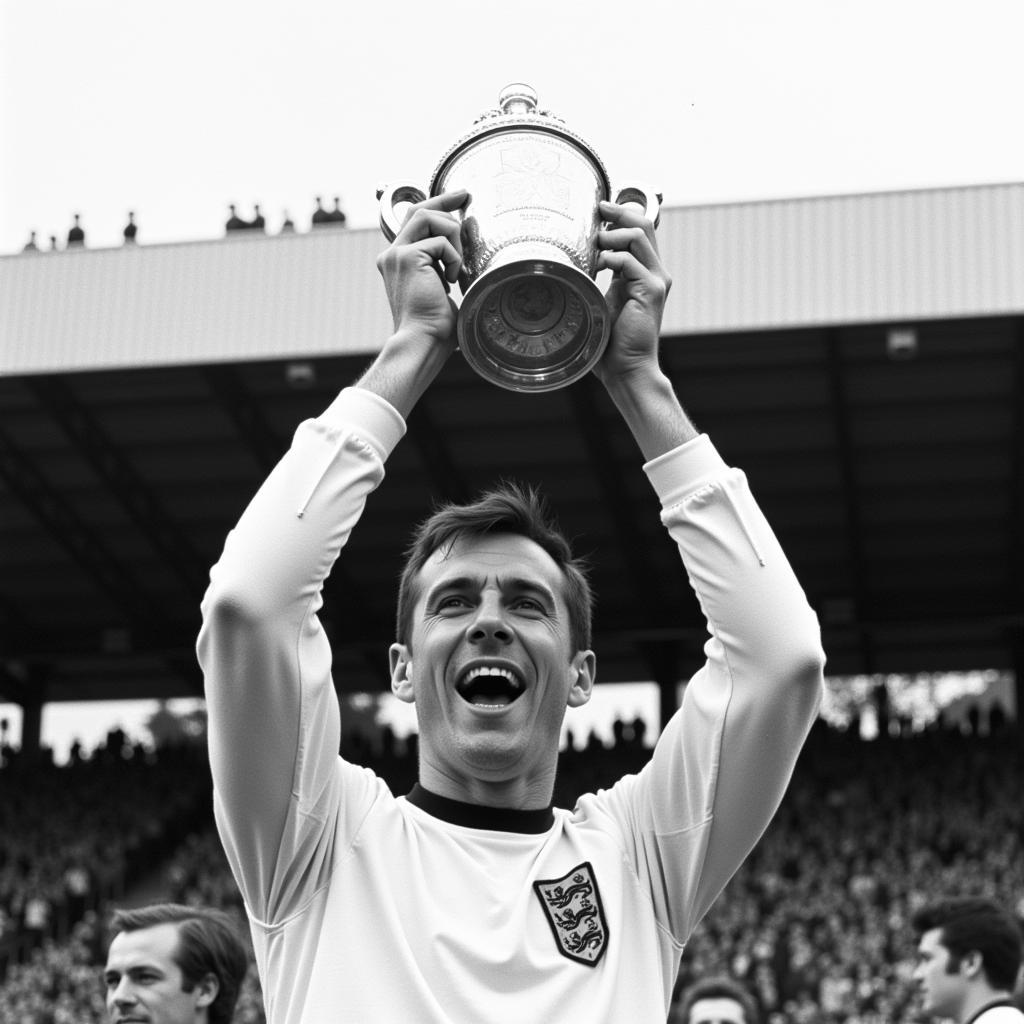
(489, 670)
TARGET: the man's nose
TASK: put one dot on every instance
(490, 622)
(124, 994)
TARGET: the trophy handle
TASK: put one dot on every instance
(645, 196)
(390, 196)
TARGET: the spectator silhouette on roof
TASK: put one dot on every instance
(53, 243)
(320, 215)
(336, 215)
(259, 222)
(130, 229)
(30, 245)
(234, 222)
(288, 225)
(76, 236)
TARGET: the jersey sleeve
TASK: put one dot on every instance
(282, 795)
(720, 768)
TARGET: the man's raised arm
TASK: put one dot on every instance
(722, 764)
(273, 713)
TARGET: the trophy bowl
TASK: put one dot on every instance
(532, 318)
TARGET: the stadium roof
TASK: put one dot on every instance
(147, 390)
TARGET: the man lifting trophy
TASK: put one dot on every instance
(532, 318)
(473, 898)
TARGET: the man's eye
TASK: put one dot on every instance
(452, 601)
(529, 604)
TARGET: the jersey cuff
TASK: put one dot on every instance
(370, 416)
(685, 469)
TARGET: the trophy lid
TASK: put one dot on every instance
(517, 109)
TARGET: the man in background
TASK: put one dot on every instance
(968, 959)
(717, 1000)
(173, 964)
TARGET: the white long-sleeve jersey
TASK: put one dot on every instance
(366, 907)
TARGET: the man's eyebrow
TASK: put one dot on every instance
(518, 583)
(458, 582)
(514, 584)
(131, 969)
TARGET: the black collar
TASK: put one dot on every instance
(494, 819)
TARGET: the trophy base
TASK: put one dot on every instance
(533, 325)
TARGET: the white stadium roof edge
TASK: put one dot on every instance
(936, 253)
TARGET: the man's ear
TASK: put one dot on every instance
(401, 673)
(583, 671)
(971, 963)
(206, 989)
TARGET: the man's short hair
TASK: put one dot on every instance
(207, 944)
(720, 987)
(969, 923)
(509, 508)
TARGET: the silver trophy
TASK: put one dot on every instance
(531, 317)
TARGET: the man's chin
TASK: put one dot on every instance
(492, 752)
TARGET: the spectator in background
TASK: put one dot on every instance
(320, 215)
(968, 957)
(234, 222)
(337, 216)
(76, 236)
(38, 911)
(173, 964)
(716, 1001)
(130, 229)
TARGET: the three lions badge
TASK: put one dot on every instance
(573, 908)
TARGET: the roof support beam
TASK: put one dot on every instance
(108, 462)
(450, 483)
(16, 685)
(841, 415)
(137, 608)
(643, 574)
(267, 447)
(1016, 523)
(21, 474)
(1015, 526)
(250, 421)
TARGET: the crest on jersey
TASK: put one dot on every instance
(573, 908)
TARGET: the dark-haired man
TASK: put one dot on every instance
(472, 899)
(718, 1000)
(173, 964)
(968, 959)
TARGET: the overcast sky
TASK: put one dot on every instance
(175, 110)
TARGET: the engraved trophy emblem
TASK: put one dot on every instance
(532, 318)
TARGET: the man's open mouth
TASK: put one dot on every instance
(489, 686)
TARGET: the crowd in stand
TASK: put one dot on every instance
(73, 836)
(320, 218)
(816, 923)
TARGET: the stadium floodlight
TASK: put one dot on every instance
(901, 343)
(300, 375)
